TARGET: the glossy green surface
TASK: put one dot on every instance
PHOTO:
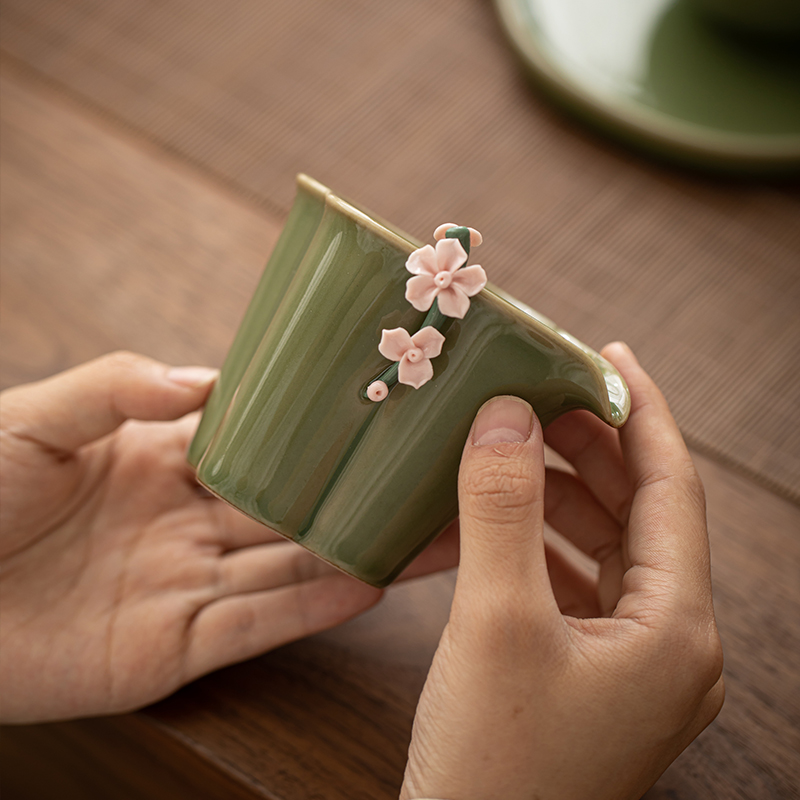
(366, 486)
(661, 76)
(289, 250)
(772, 18)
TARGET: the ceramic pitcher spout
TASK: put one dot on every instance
(613, 398)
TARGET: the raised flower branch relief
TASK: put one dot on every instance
(440, 284)
(437, 276)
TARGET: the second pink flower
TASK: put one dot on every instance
(413, 352)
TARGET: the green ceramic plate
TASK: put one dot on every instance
(658, 75)
(287, 436)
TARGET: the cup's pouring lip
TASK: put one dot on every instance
(619, 402)
(617, 405)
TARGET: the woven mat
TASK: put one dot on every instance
(418, 110)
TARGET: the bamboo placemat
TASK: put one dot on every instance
(418, 110)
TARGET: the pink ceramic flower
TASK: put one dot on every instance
(475, 237)
(437, 274)
(413, 352)
(377, 391)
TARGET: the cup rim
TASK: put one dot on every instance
(543, 325)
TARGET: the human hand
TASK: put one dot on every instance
(548, 683)
(120, 580)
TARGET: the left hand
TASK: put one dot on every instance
(121, 581)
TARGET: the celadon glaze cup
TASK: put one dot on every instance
(777, 19)
(289, 438)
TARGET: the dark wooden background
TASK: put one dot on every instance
(112, 239)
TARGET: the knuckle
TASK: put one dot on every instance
(124, 361)
(681, 664)
(504, 626)
(712, 660)
(304, 566)
(503, 487)
(243, 621)
(694, 486)
(716, 698)
(697, 650)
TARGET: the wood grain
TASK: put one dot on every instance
(124, 758)
(109, 242)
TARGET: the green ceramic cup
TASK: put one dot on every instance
(761, 18)
(287, 436)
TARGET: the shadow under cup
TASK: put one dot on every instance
(287, 436)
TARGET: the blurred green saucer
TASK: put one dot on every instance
(660, 76)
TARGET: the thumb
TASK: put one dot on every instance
(501, 503)
(83, 404)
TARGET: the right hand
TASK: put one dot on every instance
(547, 683)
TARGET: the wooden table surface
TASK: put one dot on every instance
(111, 242)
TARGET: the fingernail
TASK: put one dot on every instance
(503, 419)
(193, 377)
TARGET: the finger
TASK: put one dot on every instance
(575, 591)
(572, 510)
(85, 403)
(269, 566)
(235, 529)
(667, 537)
(577, 515)
(704, 714)
(243, 626)
(593, 448)
(441, 555)
(501, 502)
(710, 706)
